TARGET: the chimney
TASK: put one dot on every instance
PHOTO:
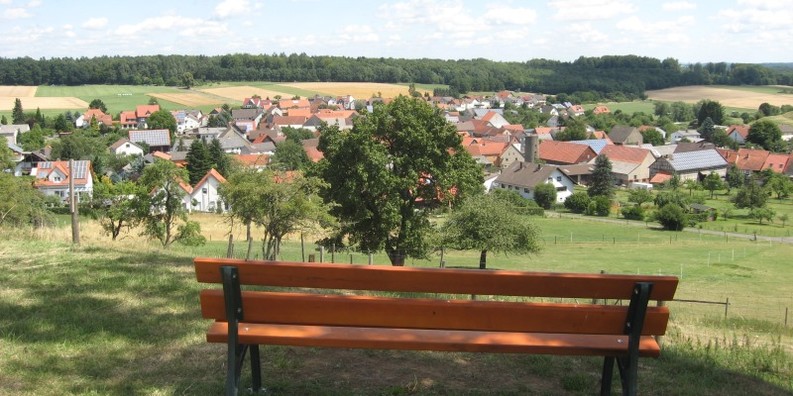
(529, 143)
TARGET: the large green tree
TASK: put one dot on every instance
(20, 203)
(486, 223)
(290, 155)
(713, 182)
(752, 195)
(98, 104)
(779, 184)
(766, 134)
(17, 114)
(545, 195)
(387, 173)
(602, 182)
(6, 155)
(114, 207)
(160, 205)
(198, 161)
(222, 161)
(162, 119)
(709, 109)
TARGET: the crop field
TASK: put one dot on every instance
(359, 90)
(18, 91)
(193, 99)
(66, 102)
(737, 97)
(239, 93)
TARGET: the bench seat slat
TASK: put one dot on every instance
(435, 280)
(437, 340)
(374, 311)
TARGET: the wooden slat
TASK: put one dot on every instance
(438, 340)
(373, 311)
(435, 280)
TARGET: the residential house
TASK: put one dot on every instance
(524, 177)
(596, 145)
(286, 104)
(682, 147)
(600, 109)
(127, 120)
(776, 162)
(11, 132)
(156, 139)
(84, 120)
(187, 120)
(738, 133)
(280, 122)
(253, 161)
(575, 110)
(510, 155)
(751, 160)
(249, 103)
(204, 196)
(142, 113)
(247, 119)
(629, 164)
(691, 135)
(53, 178)
(625, 135)
(310, 146)
(565, 153)
(690, 165)
(124, 147)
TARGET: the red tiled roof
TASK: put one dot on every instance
(751, 159)
(776, 162)
(729, 155)
(253, 160)
(742, 130)
(313, 153)
(630, 154)
(145, 111)
(659, 178)
(212, 173)
(289, 120)
(299, 112)
(565, 152)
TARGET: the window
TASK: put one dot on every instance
(562, 188)
(526, 190)
(558, 178)
(204, 190)
(57, 178)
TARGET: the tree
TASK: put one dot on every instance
(297, 135)
(761, 214)
(98, 104)
(751, 196)
(153, 101)
(764, 133)
(486, 224)
(6, 155)
(20, 203)
(162, 119)
(3, 120)
(709, 109)
(17, 114)
(600, 205)
(652, 136)
(290, 155)
(62, 124)
(387, 173)
(574, 130)
(545, 195)
(672, 217)
(33, 139)
(114, 206)
(661, 109)
(706, 129)
(681, 112)
(221, 160)
(768, 109)
(783, 218)
(713, 182)
(602, 179)
(578, 202)
(639, 196)
(779, 184)
(734, 178)
(188, 80)
(198, 161)
(691, 185)
(160, 205)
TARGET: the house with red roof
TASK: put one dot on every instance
(751, 160)
(629, 164)
(601, 110)
(84, 120)
(776, 162)
(565, 153)
(127, 120)
(738, 133)
(142, 112)
(52, 178)
(688, 165)
(204, 196)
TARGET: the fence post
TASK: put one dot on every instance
(726, 306)
(785, 316)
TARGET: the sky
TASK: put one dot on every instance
(753, 31)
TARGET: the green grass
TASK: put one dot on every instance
(123, 318)
(782, 119)
(645, 106)
(117, 98)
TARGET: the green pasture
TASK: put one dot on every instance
(117, 318)
(644, 106)
(117, 98)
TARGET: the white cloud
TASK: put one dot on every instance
(757, 16)
(5, 2)
(590, 10)
(206, 28)
(162, 23)
(95, 23)
(515, 16)
(16, 13)
(229, 8)
(678, 6)
(359, 34)
(34, 3)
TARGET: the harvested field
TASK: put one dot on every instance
(359, 90)
(727, 96)
(43, 103)
(18, 91)
(239, 93)
(188, 99)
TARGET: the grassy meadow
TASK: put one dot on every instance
(122, 317)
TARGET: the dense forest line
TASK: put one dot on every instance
(603, 76)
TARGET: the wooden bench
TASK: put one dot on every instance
(303, 305)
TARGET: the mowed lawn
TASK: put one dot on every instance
(122, 318)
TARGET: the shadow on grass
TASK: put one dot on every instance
(130, 324)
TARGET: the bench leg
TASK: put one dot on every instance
(608, 373)
(256, 369)
(629, 371)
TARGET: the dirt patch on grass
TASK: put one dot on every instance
(239, 93)
(357, 90)
(31, 103)
(18, 91)
(187, 99)
(724, 95)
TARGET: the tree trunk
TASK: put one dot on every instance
(397, 258)
(483, 259)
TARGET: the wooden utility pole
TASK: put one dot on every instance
(73, 205)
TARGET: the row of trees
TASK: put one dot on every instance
(591, 77)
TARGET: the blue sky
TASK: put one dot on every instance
(690, 31)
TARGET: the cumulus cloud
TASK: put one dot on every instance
(34, 3)
(230, 8)
(757, 16)
(678, 6)
(163, 23)
(590, 10)
(95, 23)
(514, 16)
(359, 34)
(16, 13)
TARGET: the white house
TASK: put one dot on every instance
(524, 177)
(52, 178)
(205, 197)
(124, 147)
(691, 135)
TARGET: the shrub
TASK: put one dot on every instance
(545, 195)
(635, 212)
(599, 206)
(672, 217)
(578, 202)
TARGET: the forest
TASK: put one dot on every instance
(602, 77)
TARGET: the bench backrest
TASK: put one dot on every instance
(299, 307)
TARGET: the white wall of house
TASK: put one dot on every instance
(129, 149)
(205, 197)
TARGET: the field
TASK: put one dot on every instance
(122, 318)
(358, 90)
(116, 97)
(30, 100)
(18, 91)
(239, 93)
(736, 97)
(193, 99)
(645, 106)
